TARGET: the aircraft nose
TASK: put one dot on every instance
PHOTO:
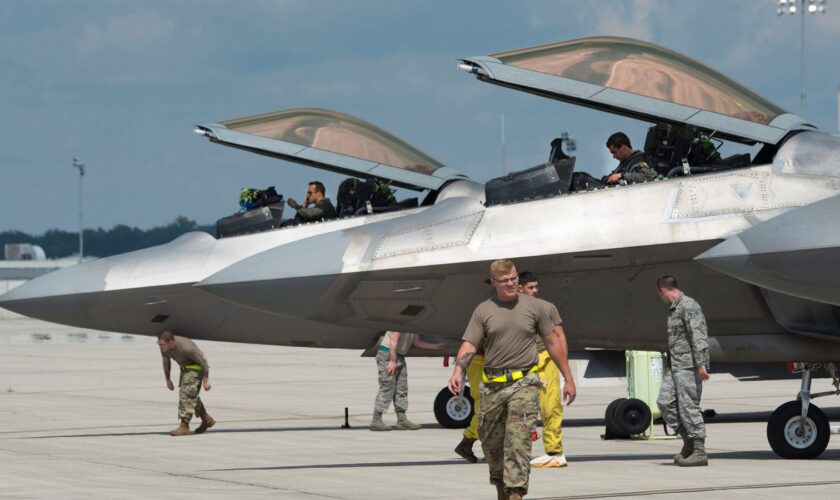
(58, 295)
(795, 253)
(290, 280)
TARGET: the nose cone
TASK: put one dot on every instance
(60, 296)
(795, 253)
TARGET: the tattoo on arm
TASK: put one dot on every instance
(464, 360)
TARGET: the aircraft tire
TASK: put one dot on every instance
(613, 423)
(786, 440)
(633, 415)
(454, 412)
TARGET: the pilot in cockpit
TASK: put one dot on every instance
(321, 209)
(633, 165)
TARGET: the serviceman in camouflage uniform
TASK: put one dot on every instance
(688, 365)
(393, 378)
(506, 327)
(195, 372)
(633, 166)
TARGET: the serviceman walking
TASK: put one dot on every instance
(474, 372)
(195, 372)
(551, 408)
(688, 360)
(506, 327)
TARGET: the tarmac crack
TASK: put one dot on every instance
(672, 491)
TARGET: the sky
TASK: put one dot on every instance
(120, 85)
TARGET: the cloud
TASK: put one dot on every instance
(131, 33)
(633, 21)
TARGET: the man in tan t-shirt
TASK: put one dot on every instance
(195, 372)
(506, 327)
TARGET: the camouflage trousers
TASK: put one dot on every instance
(391, 387)
(189, 403)
(679, 403)
(507, 416)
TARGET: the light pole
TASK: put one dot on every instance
(81, 166)
(789, 7)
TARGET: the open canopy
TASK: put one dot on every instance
(332, 141)
(641, 80)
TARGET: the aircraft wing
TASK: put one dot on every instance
(640, 80)
(335, 142)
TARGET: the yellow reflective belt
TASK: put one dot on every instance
(193, 367)
(507, 377)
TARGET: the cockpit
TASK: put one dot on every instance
(693, 108)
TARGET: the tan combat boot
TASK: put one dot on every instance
(377, 424)
(684, 453)
(465, 450)
(404, 424)
(516, 493)
(698, 455)
(181, 430)
(501, 494)
(206, 422)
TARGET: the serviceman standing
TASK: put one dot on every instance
(506, 327)
(551, 408)
(195, 372)
(393, 378)
(688, 360)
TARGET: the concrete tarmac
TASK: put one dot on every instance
(86, 415)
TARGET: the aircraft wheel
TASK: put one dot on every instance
(613, 423)
(454, 412)
(633, 415)
(789, 440)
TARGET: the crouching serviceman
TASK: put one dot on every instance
(688, 364)
(195, 372)
(506, 327)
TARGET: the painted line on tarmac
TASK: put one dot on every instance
(673, 491)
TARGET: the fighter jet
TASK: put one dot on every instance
(750, 236)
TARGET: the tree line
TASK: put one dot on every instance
(99, 242)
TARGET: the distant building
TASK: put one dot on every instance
(23, 251)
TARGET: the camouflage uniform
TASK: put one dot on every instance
(507, 416)
(391, 387)
(635, 169)
(688, 347)
(189, 403)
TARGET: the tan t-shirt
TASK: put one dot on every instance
(507, 331)
(552, 312)
(187, 353)
(403, 344)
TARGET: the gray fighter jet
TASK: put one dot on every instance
(751, 237)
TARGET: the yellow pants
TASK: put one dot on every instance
(474, 371)
(551, 408)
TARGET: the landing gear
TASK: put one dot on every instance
(799, 429)
(625, 417)
(454, 411)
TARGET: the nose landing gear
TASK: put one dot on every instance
(799, 429)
